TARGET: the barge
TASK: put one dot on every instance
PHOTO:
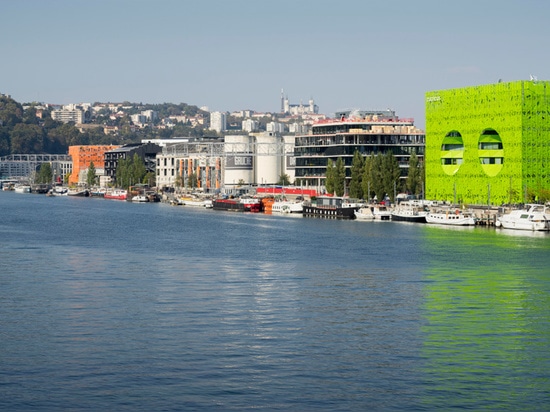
(331, 207)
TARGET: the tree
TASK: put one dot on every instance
(329, 177)
(138, 169)
(414, 180)
(4, 141)
(377, 185)
(391, 174)
(284, 180)
(130, 171)
(91, 176)
(11, 112)
(355, 187)
(27, 138)
(45, 174)
(340, 178)
(366, 181)
(192, 182)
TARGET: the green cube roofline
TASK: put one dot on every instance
(488, 144)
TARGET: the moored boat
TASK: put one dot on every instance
(140, 199)
(451, 217)
(116, 194)
(533, 217)
(22, 188)
(78, 192)
(287, 206)
(331, 207)
(406, 212)
(194, 201)
(244, 204)
(364, 213)
(381, 212)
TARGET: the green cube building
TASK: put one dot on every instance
(489, 144)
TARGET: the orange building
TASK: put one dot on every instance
(82, 156)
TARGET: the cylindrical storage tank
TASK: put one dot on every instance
(268, 160)
(239, 160)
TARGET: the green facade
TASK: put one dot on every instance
(489, 144)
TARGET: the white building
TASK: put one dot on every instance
(250, 125)
(66, 116)
(150, 115)
(138, 119)
(218, 121)
(275, 127)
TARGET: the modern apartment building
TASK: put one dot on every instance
(146, 151)
(369, 132)
(66, 116)
(488, 144)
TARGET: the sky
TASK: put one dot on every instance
(232, 55)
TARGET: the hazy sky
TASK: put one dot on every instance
(237, 54)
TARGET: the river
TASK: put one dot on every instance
(110, 305)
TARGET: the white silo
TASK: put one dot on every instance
(269, 157)
(239, 160)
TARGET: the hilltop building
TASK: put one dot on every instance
(218, 121)
(297, 109)
(369, 132)
(488, 144)
(76, 115)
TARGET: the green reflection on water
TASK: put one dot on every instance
(487, 334)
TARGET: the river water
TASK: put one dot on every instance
(109, 305)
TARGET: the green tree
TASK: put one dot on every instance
(330, 177)
(11, 112)
(284, 180)
(45, 174)
(123, 173)
(391, 174)
(138, 169)
(27, 138)
(377, 181)
(355, 186)
(4, 141)
(91, 176)
(366, 181)
(414, 180)
(130, 171)
(192, 181)
(340, 178)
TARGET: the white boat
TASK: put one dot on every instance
(140, 199)
(381, 212)
(364, 213)
(287, 206)
(19, 188)
(451, 217)
(194, 202)
(406, 212)
(207, 203)
(533, 217)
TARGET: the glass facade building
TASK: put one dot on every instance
(488, 144)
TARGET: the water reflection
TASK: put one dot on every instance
(487, 333)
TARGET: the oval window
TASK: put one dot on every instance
(490, 152)
(452, 152)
